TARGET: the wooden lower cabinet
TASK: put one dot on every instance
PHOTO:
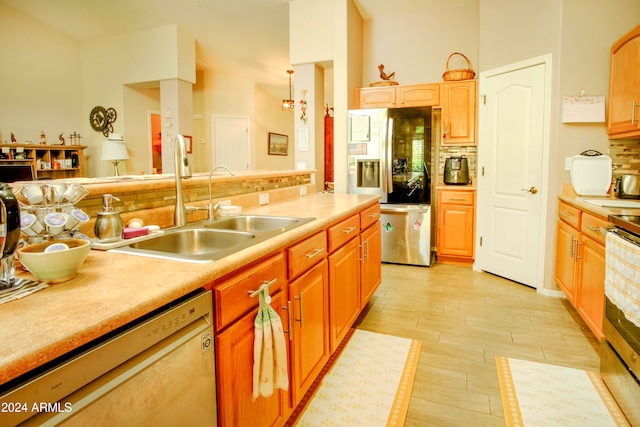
(590, 294)
(344, 291)
(309, 328)
(580, 263)
(318, 298)
(371, 262)
(456, 211)
(566, 260)
(234, 350)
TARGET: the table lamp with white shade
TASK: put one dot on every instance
(114, 149)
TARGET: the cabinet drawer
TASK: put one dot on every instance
(591, 227)
(369, 216)
(569, 214)
(306, 254)
(232, 296)
(457, 197)
(342, 232)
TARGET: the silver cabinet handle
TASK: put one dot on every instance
(350, 230)
(289, 314)
(299, 298)
(364, 251)
(578, 250)
(265, 284)
(316, 252)
(592, 228)
(565, 213)
(373, 215)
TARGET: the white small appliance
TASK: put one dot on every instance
(591, 173)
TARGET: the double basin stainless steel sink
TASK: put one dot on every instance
(206, 241)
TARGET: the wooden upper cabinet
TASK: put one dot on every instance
(459, 110)
(418, 95)
(376, 97)
(624, 87)
(423, 95)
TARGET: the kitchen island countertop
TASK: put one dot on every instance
(113, 289)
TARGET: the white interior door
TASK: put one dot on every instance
(513, 130)
(231, 140)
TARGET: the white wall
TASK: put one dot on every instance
(312, 22)
(416, 45)
(39, 80)
(138, 102)
(109, 63)
(269, 117)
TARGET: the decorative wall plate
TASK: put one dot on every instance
(102, 119)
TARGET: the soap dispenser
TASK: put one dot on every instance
(109, 225)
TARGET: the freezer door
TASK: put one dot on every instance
(406, 234)
(367, 157)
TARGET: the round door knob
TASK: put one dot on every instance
(532, 190)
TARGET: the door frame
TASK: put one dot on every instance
(545, 60)
(150, 136)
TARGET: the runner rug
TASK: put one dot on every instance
(368, 384)
(537, 394)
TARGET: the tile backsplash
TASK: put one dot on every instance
(625, 156)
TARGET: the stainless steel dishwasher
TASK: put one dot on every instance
(406, 234)
(158, 371)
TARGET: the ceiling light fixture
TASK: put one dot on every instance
(288, 104)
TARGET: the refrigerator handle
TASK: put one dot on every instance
(388, 167)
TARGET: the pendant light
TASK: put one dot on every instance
(288, 104)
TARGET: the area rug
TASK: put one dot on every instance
(369, 384)
(537, 394)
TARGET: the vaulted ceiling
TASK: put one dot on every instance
(249, 38)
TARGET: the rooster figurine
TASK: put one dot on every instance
(383, 75)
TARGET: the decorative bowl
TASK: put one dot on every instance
(54, 266)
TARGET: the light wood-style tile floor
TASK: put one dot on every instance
(464, 319)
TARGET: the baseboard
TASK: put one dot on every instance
(552, 293)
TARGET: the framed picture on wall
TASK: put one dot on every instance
(188, 141)
(278, 144)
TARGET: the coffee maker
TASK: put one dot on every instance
(9, 233)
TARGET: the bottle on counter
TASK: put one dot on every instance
(109, 225)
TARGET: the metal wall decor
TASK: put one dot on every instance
(102, 119)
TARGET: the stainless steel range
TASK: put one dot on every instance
(620, 348)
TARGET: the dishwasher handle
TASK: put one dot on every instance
(404, 209)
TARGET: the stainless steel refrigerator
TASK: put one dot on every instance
(389, 153)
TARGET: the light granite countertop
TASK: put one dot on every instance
(571, 198)
(114, 289)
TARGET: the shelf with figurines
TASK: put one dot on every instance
(48, 160)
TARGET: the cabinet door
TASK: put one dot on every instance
(376, 97)
(459, 106)
(590, 292)
(418, 95)
(371, 261)
(234, 350)
(344, 291)
(624, 90)
(566, 255)
(455, 230)
(309, 296)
